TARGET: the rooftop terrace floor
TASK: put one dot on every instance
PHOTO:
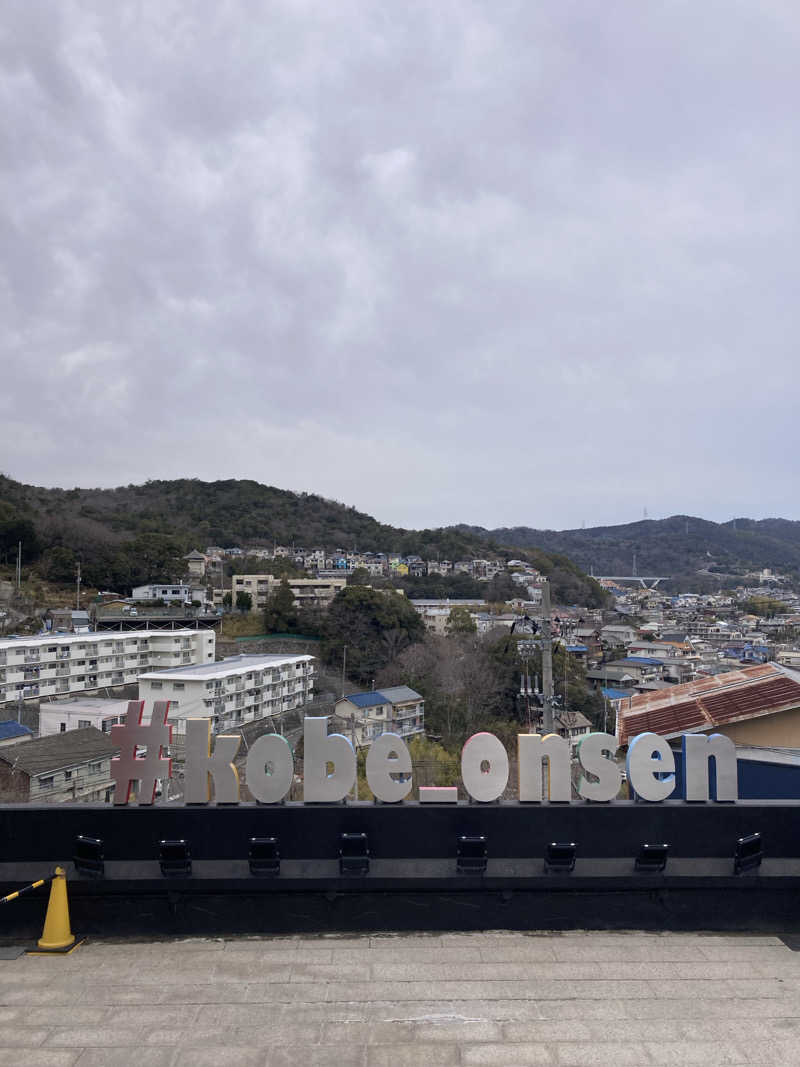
(571, 999)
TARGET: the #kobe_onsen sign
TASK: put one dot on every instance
(269, 768)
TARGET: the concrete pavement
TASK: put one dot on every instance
(572, 999)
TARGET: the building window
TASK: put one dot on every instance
(82, 723)
(47, 783)
(155, 685)
(95, 768)
(67, 775)
(62, 727)
(177, 685)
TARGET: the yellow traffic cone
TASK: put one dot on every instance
(57, 935)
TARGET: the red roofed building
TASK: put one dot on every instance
(757, 705)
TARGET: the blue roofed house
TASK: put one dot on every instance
(12, 731)
(396, 709)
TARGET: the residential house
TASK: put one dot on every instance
(642, 668)
(572, 725)
(397, 709)
(486, 622)
(658, 649)
(757, 705)
(618, 634)
(195, 564)
(67, 620)
(74, 766)
(169, 592)
(59, 716)
(11, 732)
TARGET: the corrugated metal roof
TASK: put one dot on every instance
(700, 705)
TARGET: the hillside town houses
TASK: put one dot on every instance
(643, 652)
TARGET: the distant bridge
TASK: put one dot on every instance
(645, 581)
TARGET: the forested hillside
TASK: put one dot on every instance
(681, 546)
(136, 533)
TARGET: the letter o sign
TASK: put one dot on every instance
(484, 767)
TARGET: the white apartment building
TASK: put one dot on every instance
(308, 592)
(62, 664)
(233, 691)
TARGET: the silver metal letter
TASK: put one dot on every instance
(269, 768)
(484, 785)
(596, 754)
(697, 748)
(318, 750)
(388, 755)
(533, 749)
(201, 765)
(648, 756)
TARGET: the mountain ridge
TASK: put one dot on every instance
(678, 546)
(136, 533)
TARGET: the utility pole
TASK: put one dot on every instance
(355, 749)
(547, 661)
(19, 565)
(344, 668)
(78, 589)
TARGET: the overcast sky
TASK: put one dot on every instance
(500, 263)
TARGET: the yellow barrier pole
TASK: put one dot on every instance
(27, 889)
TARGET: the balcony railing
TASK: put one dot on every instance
(407, 713)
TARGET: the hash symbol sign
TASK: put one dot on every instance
(129, 767)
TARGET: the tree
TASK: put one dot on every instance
(373, 625)
(461, 622)
(58, 564)
(466, 680)
(227, 600)
(155, 557)
(244, 602)
(500, 588)
(280, 613)
(359, 576)
(12, 531)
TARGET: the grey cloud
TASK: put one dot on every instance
(489, 262)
